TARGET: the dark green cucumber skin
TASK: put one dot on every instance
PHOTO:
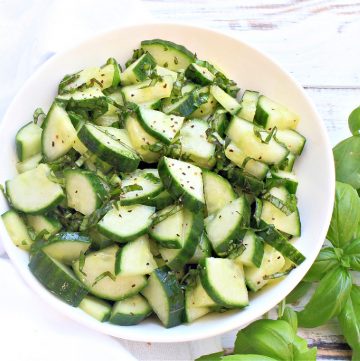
(117, 71)
(245, 181)
(142, 68)
(261, 116)
(124, 162)
(123, 319)
(193, 74)
(98, 241)
(120, 239)
(205, 247)
(190, 244)
(276, 181)
(101, 189)
(187, 105)
(160, 201)
(276, 240)
(259, 252)
(143, 199)
(67, 288)
(172, 244)
(174, 295)
(175, 189)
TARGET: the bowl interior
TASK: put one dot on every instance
(252, 70)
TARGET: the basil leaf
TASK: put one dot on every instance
(211, 357)
(352, 252)
(266, 337)
(218, 356)
(349, 319)
(354, 121)
(325, 261)
(346, 214)
(328, 300)
(347, 165)
(299, 291)
(301, 350)
(290, 317)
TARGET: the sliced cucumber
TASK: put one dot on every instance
(160, 201)
(270, 114)
(135, 258)
(201, 297)
(28, 141)
(65, 247)
(248, 105)
(139, 70)
(168, 54)
(272, 262)
(97, 274)
(110, 118)
(227, 225)
(126, 223)
(194, 143)
(166, 72)
(287, 179)
(161, 126)
(203, 250)
(98, 241)
(219, 121)
(85, 190)
(254, 250)
(254, 167)
(130, 311)
(29, 163)
(57, 278)
(226, 100)
(59, 135)
(188, 88)
(206, 109)
(17, 230)
(165, 296)
(183, 180)
(293, 140)
(42, 223)
(33, 192)
(96, 308)
(250, 184)
(287, 164)
(199, 74)
(95, 164)
(109, 74)
(217, 190)
(224, 282)
(110, 145)
(244, 135)
(167, 232)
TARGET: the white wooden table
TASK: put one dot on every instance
(315, 40)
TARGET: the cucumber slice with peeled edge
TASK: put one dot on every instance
(248, 105)
(96, 308)
(28, 141)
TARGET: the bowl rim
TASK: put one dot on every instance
(87, 321)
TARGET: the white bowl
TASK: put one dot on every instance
(252, 70)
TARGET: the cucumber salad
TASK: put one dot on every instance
(157, 188)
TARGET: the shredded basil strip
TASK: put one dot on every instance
(102, 276)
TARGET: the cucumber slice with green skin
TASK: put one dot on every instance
(201, 297)
(226, 100)
(270, 214)
(193, 226)
(245, 181)
(224, 282)
(166, 72)
(42, 223)
(126, 223)
(251, 166)
(254, 250)
(195, 145)
(57, 278)
(135, 258)
(248, 105)
(59, 135)
(219, 121)
(206, 109)
(141, 140)
(96, 308)
(139, 70)
(97, 274)
(272, 262)
(150, 182)
(287, 164)
(65, 247)
(160, 201)
(17, 230)
(108, 119)
(293, 140)
(116, 96)
(109, 74)
(155, 104)
(28, 141)
(270, 114)
(32, 192)
(165, 296)
(168, 231)
(243, 134)
(98, 241)
(227, 225)
(147, 90)
(203, 250)
(183, 180)
(275, 239)
(130, 311)
(94, 164)
(85, 191)
(161, 126)
(29, 163)
(199, 74)
(168, 54)
(287, 179)
(217, 190)
(110, 145)
(188, 88)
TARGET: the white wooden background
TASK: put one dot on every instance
(319, 43)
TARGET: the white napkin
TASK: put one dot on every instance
(31, 32)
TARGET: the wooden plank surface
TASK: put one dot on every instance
(315, 40)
